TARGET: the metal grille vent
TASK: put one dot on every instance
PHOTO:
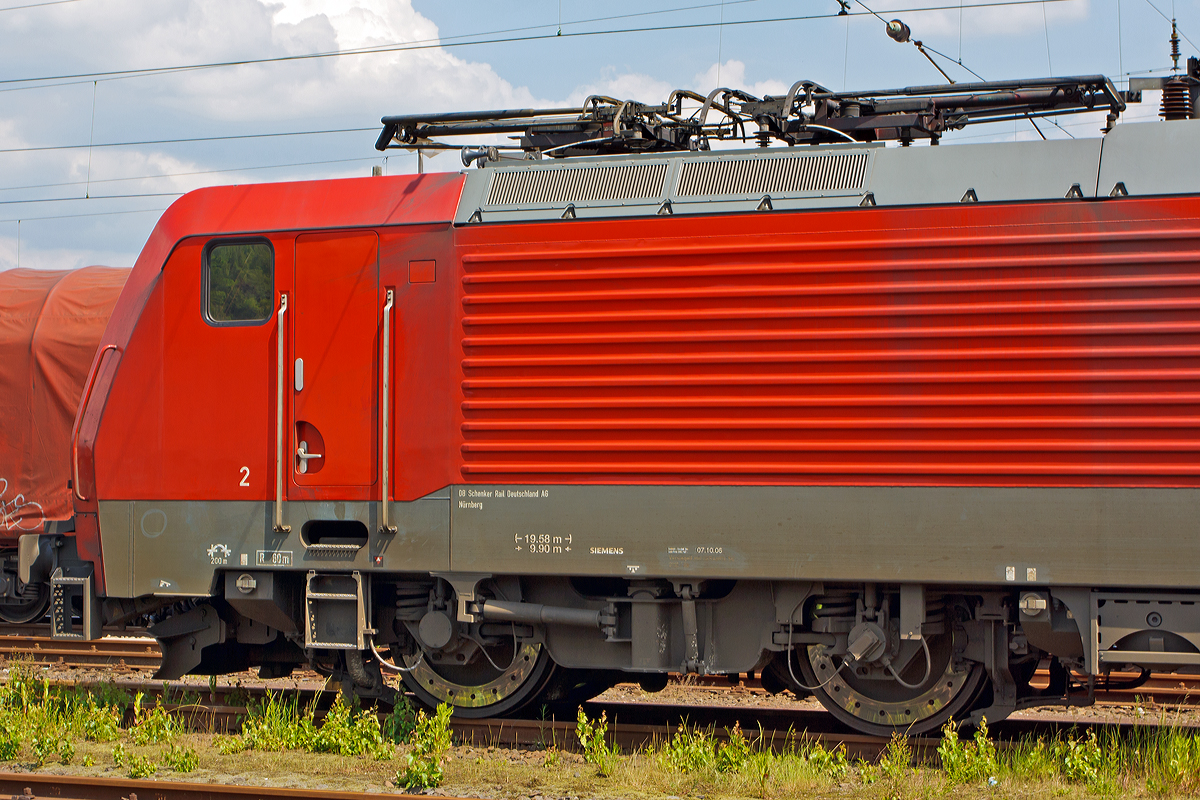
(577, 185)
(781, 175)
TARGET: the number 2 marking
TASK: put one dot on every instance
(245, 476)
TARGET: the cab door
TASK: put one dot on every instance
(335, 336)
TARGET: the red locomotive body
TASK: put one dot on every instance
(518, 432)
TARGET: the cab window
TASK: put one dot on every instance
(238, 282)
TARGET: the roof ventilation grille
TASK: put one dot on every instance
(537, 185)
(784, 175)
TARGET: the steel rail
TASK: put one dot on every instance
(140, 651)
(29, 786)
(129, 652)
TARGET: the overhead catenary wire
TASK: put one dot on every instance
(37, 5)
(1046, 28)
(1120, 45)
(720, 41)
(923, 47)
(164, 175)
(404, 47)
(445, 39)
(42, 148)
(86, 214)
(303, 133)
(1171, 19)
(97, 197)
(91, 140)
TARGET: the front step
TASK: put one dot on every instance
(335, 611)
(67, 594)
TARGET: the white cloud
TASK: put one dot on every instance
(55, 258)
(732, 74)
(622, 86)
(648, 89)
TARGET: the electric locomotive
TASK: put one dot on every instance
(889, 425)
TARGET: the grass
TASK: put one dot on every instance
(282, 743)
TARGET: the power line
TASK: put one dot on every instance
(182, 141)
(444, 39)
(89, 214)
(927, 47)
(162, 175)
(38, 5)
(952, 61)
(93, 197)
(405, 47)
(1169, 19)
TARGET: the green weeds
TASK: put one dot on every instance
(42, 725)
(141, 767)
(430, 741)
(399, 725)
(181, 759)
(691, 749)
(967, 762)
(153, 726)
(593, 738)
(278, 723)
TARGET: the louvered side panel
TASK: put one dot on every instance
(553, 185)
(1002, 346)
(776, 175)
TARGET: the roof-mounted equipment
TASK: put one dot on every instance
(808, 114)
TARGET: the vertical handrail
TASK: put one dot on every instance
(280, 527)
(385, 526)
(87, 393)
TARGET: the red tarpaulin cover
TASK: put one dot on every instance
(50, 326)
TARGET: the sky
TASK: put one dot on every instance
(95, 95)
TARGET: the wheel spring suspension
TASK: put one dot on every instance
(935, 615)
(835, 605)
(412, 600)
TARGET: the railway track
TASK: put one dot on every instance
(113, 651)
(32, 786)
(131, 656)
(1161, 688)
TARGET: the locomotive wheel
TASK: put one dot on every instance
(881, 707)
(479, 689)
(33, 606)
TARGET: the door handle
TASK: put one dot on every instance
(280, 525)
(385, 525)
(303, 454)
